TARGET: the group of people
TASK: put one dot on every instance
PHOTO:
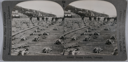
(38, 18)
(46, 19)
(99, 18)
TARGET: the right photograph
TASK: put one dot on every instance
(94, 28)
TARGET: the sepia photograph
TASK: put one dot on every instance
(84, 27)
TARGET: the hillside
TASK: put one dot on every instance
(31, 12)
(84, 12)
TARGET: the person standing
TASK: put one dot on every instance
(30, 17)
(31, 20)
(56, 19)
(52, 20)
(90, 18)
(37, 18)
(63, 20)
(43, 18)
(46, 19)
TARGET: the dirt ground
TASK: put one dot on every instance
(70, 27)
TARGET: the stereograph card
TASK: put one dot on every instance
(64, 30)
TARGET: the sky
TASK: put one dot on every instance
(54, 8)
(96, 5)
(44, 6)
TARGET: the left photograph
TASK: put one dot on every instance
(34, 27)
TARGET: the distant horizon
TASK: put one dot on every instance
(71, 5)
(43, 6)
(89, 10)
(97, 12)
(37, 10)
(99, 6)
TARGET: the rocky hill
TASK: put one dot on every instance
(31, 12)
(84, 12)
